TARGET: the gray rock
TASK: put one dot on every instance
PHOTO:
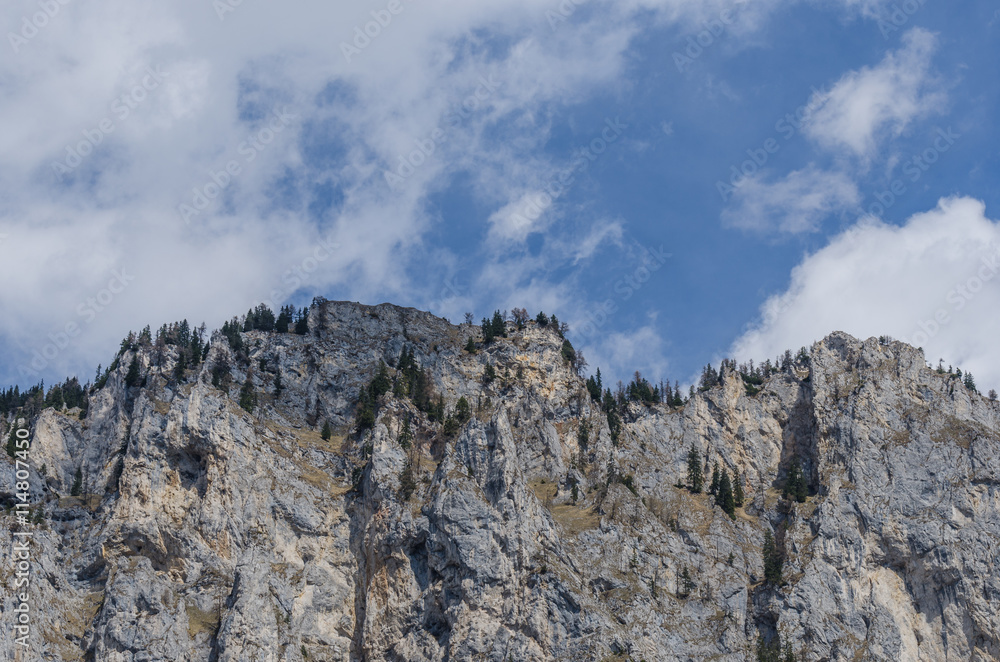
(212, 533)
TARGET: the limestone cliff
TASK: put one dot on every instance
(524, 532)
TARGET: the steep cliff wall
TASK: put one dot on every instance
(207, 532)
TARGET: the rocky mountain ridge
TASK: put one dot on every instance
(526, 529)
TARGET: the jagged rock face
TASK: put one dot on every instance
(211, 533)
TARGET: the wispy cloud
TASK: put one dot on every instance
(795, 203)
(413, 94)
(872, 104)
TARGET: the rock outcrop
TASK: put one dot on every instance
(522, 532)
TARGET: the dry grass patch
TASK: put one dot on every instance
(959, 432)
(576, 519)
(89, 501)
(544, 490)
(307, 439)
(808, 509)
(76, 621)
(898, 438)
(68, 652)
(201, 622)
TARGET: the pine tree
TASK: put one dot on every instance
(381, 383)
(327, 432)
(77, 488)
(993, 395)
(132, 376)
(407, 482)
(714, 487)
(278, 386)
(768, 652)
(583, 436)
(302, 323)
(695, 478)
(678, 397)
(248, 398)
(196, 347)
(180, 366)
(55, 398)
(709, 378)
(499, 327)
(11, 441)
(285, 318)
(406, 434)
(263, 318)
(462, 410)
(421, 390)
(687, 583)
(614, 425)
(450, 426)
(725, 498)
(231, 330)
(795, 484)
(738, 496)
(470, 346)
(773, 561)
(365, 412)
(487, 328)
(568, 353)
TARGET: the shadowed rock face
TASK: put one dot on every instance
(212, 533)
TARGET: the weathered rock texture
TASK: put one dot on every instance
(210, 533)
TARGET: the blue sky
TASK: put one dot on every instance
(189, 161)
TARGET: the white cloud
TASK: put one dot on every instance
(223, 76)
(861, 110)
(794, 204)
(934, 283)
(118, 208)
(873, 103)
(599, 234)
(519, 218)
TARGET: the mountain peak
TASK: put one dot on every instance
(387, 485)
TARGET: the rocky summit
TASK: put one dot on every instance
(379, 488)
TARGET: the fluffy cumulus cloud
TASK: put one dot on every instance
(795, 203)
(934, 282)
(214, 155)
(220, 154)
(874, 103)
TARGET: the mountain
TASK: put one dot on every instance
(524, 529)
